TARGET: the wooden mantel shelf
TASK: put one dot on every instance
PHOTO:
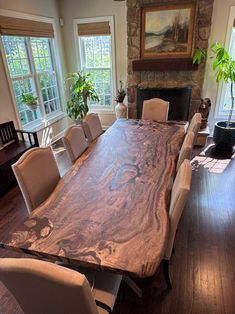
(170, 64)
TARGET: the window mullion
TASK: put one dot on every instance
(35, 77)
(83, 56)
(54, 67)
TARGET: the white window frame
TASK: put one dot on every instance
(78, 50)
(219, 112)
(58, 114)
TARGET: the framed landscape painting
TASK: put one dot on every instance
(168, 31)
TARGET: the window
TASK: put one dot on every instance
(224, 98)
(31, 68)
(27, 43)
(96, 57)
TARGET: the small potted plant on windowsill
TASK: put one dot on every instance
(80, 88)
(224, 64)
(120, 108)
(30, 101)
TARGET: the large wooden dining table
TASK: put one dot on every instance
(110, 211)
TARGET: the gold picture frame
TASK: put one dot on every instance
(167, 31)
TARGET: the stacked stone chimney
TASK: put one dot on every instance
(169, 79)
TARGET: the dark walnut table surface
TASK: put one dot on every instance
(110, 211)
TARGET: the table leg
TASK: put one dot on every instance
(133, 286)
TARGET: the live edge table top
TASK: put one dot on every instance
(110, 211)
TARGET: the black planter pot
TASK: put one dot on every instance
(223, 137)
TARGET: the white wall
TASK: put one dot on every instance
(70, 9)
(45, 8)
(220, 17)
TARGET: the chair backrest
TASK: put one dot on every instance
(8, 133)
(155, 109)
(179, 194)
(195, 124)
(37, 175)
(43, 287)
(92, 126)
(186, 149)
(75, 142)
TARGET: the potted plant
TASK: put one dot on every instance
(120, 108)
(80, 88)
(224, 64)
(30, 100)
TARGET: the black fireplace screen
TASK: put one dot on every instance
(179, 99)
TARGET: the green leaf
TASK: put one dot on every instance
(199, 55)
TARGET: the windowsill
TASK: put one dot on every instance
(45, 123)
(222, 117)
(102, 110)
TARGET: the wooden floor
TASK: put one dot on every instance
(203, 265)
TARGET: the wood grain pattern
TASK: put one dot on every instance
(110, 209)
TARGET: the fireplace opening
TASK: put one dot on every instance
(178, 97)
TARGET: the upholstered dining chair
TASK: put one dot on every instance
(43, 287)
(92, 126)
(186, 149)
(37, 174)
(195, 125)
(179, 195)
(155, 109)
(75, 142)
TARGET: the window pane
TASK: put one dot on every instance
(41, 54)
(49, 91)
(227, 99)
(102, 79)
(25, 86)
(97, 51)
(16, 55)
(226, 93)
(97, 61)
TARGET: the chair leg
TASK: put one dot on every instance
(166, 273)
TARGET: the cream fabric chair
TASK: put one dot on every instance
(92, 126)
(186, 149)
(195, 125)
(43, 287)
(37, 175)
(179, 195)
(75, 142)
(155, 109)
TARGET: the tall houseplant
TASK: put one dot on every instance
(224, 65)
(80, 89)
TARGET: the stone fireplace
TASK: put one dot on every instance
(159, 79)
(178, 97)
